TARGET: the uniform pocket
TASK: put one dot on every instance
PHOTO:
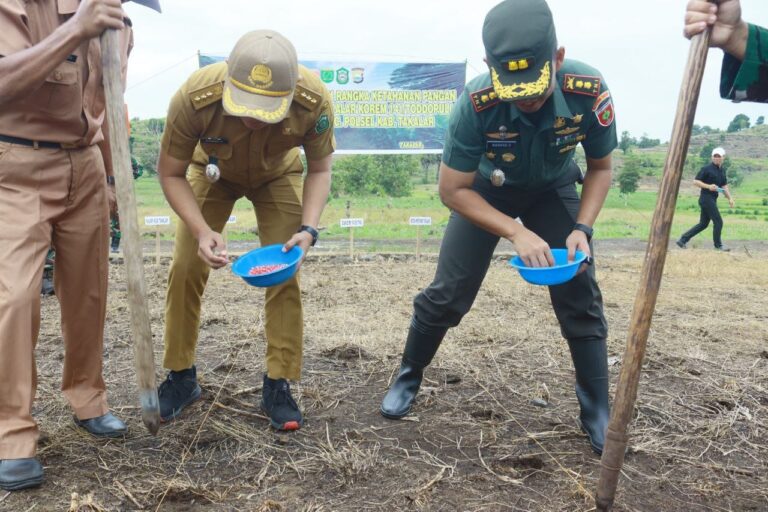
(61, 90)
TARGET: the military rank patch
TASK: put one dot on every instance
(484, 99)
(582, 84)
(603, 109)
(307, 98)
(322, 124)
(207, 95)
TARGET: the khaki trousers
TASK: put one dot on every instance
(277, 204)
(51, 196)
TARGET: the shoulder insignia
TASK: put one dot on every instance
(209, 94)
(582, 84)
(307, 98)
(484, 99)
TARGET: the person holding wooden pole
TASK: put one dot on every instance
(52, 163)
(509, 153)
(233, 130)
(744, 74)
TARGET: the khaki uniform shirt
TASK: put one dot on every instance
(69, 106)
(198, 129)
(534, 151)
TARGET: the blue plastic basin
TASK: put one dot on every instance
(268, 255)
(562, 271)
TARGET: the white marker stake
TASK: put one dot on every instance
(157, 221)
(418, 222)
(231, 220)
(351, 223)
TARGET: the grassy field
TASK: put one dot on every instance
(386, 219)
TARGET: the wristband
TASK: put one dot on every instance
(312, 231)
(584, 229)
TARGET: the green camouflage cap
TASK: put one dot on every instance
(262, 72)
(520, 42)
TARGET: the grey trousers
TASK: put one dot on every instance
(466, 252)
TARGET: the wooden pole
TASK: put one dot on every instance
(650, 279)
(157, 246)
(351, 242)
(418, 242)
(134, 260)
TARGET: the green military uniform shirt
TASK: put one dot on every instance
(747, 80)
(533, 150)
(198, 128)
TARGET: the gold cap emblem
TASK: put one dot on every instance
(261, 75)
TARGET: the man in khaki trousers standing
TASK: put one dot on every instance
(53, 191)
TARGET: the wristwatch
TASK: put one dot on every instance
(312, 231)
(584, 229)
(110, 180)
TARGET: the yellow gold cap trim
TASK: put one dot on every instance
(523, 89)
(254, 90)
(264, 115)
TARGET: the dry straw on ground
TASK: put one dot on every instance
(479, 438)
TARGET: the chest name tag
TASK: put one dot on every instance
(214, 140)
(499, 146)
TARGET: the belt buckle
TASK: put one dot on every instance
(66, 145)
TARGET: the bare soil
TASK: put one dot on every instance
(475, 441)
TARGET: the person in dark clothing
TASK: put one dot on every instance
(711, 180)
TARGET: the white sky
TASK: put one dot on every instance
(638, 46)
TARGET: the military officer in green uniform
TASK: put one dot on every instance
(234, 130)
(744, 73)
(509, 153)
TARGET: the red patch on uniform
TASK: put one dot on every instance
(604, 114)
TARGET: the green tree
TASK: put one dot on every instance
(740, 122)
(626, 142)
(646, 142)
(629, 177)
(760, 121)
(385, 175)
(705, 155)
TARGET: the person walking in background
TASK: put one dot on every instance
(712, 181)
(744, 74)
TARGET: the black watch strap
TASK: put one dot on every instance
(584, 229)
(312, 231)
(110, 180)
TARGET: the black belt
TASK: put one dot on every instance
(35, 143)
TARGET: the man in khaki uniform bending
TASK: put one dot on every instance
(247, 116)
(53, 191)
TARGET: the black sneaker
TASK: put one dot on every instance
(680, 244)
(279, 405)
(179, 390)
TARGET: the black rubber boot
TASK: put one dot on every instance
(420, 347)
(590, 360)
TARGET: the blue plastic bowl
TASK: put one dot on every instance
(268, 255)
(562, 271)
